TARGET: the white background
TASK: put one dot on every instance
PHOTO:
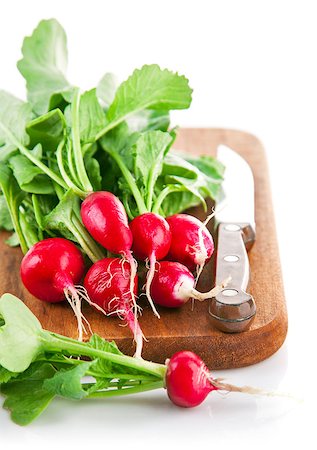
(252, 65)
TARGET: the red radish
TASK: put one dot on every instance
(105, 218)
(188, 380)
(151, 241)
(51, 269)
(173, 285)
(107, 284)
(192, 244)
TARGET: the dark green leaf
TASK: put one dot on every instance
(14, 197)
(28, 226)
(44, 65)
(28, 398)
(93, 171)
(5, 218)
(47, 130)
(29, 177)
(6, 375)
(121, 140)
(60, 218)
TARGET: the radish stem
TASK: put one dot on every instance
(54, 343)
(78, 155)
(149, 279)
(125, 391)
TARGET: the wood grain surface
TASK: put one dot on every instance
(186, 328)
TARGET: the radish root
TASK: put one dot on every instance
(219, 384)
(149, 279)
(201, 296)
(74, 301)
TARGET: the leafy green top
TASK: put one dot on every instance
(63, 144)
(36, 365)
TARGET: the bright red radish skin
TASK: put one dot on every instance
(173, 285)
(192, 244)
(151, 241)
(188, 380)
(105, 218)
(108, 285)
(51, 267)
(151, 234)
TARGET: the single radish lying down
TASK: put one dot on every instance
(105, 218)
(192, 244)
(188, 381)
(107, 284)
(151, 241)
(173, 285)
(51, 269)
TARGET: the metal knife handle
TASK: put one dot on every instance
(233, 308)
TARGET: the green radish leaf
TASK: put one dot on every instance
(121, 140)
(103, 366)
(200, 184)
(14, 197)
(5, 218)
(14, 115)
(20, 336)
(177, 202)
(42, 206)
(148, 119)
(67, 383)
(93, 171)
(92, 118)
(210, 166)
(28, 225)
(60, 218)
(149, 88)
(48, 130)
(13, 240)
(6, 375)
(29, 177)
(106, 89)
(44, 65)
(27, 398)
(150, 150)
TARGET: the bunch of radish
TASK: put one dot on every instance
(53, 268)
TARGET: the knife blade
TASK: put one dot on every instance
(233, 309)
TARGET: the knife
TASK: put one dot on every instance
(233, 309)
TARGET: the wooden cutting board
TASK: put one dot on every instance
(186, 328)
